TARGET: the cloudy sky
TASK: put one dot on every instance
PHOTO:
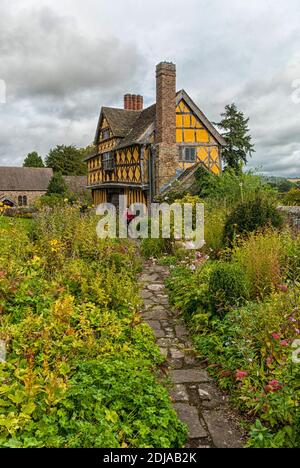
(61, 60)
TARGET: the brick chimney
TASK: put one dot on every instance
(127, 102)
(140, 102)
(167, 153)
(133, 102)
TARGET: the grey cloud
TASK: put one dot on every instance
(59, 74)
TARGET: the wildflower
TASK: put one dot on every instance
(276, 336)
(284, 343)
(292, 319)
(282, 287)
(240, 375)
(273, 386)
(269, 360)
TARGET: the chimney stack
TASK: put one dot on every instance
(167, 153)
(133, 102)
(166, 103)
(127, 102)
(140, 102)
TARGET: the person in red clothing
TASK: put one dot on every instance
(129, 216)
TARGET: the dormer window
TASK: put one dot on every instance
(108, 161)
(189, 154)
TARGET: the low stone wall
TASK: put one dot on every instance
(292, 214)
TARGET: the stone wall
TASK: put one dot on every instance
(292, 214)
(31, 196)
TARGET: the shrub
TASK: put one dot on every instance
(230, 188)
(80, 364)
(249, 216)
(189, 289)
(261, 258)
(156, 247)
(250, 354)
(214, 223)
(292, 198)
(228, 287)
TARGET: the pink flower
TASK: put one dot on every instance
(269, 360)
(284, 343)
(292, 319)
(276, 336)
(275, 385)
(240, 375)
(282, 287)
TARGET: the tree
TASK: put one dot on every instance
(57, 185)
(68, 160)
(236, 134)
(33, 160)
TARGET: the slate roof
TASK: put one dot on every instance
(121, 121)
(141, 125)
(32, 179)
(26, 179)
(132, 126)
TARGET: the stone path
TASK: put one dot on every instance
(196, 398)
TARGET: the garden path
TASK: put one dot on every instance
(196, 398)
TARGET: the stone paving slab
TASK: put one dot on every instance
(224, 434)
(189, 415)
(189, 376)
(196, 398)
(179, 393)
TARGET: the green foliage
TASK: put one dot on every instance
(262, 259)
(227, 287)
(33, 160)
(68, 160)
(205, 180)
(189, 289)
(249, 349)
(57, 185)
(80, 368)
(155, 247)
(292, 198)
(230, 188)
(236, 134)
(249, 216)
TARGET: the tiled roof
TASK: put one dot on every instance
(121, 121)
(33, 179)
(145, 119)
(25, 179)
(131, 126)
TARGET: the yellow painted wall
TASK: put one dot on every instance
(99, 196)
(135, 196)
(191, 131)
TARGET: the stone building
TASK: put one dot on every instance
(140, 152)
(21, 186)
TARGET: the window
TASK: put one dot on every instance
(108, 161)
(22, 200)
(105, 134)
(189, 154)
